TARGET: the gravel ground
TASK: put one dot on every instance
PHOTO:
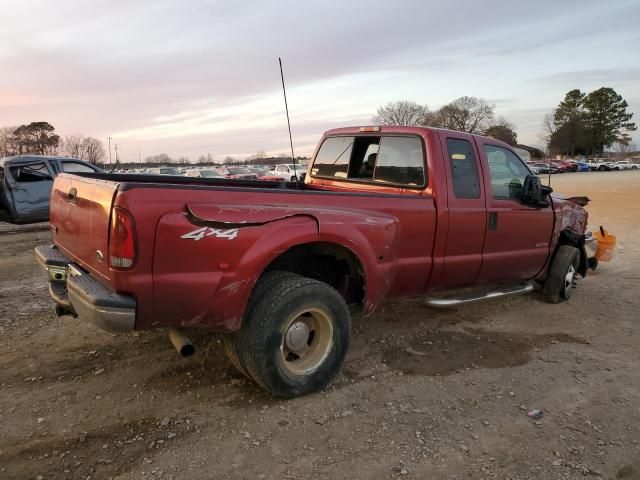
(423, 393)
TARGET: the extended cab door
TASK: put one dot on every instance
(518, 236)
(467, 214)
(30, 187)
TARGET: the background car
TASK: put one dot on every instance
(163, 171)
(598, 164)
(562, 165)
(544, 168)
(237, 173)
(582, 167)
(624, 165)
(203, 173)
(290, 171)
(269, 176)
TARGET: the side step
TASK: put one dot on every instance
(442, 302)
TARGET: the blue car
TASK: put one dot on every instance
(582, 167)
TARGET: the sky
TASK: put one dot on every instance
(195, 77)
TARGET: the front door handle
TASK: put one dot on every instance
(493, 220)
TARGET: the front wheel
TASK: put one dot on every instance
(294, 339)
(294, 178)
(634, 168)
(562, 275)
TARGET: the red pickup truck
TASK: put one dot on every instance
(382, 212)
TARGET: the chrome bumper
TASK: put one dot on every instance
(75, 291)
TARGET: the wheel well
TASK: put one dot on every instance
(330, 263)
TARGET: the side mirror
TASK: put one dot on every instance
(533, 192)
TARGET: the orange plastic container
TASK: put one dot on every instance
(606, 245)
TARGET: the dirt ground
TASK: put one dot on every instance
(423, 394)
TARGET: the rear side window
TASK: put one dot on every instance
(400, 161)
(507, 172)
(33, 172)
(333, 157)
(387, 159)
(464, 169)
(74, 167)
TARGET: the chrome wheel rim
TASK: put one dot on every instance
(307, 340)
(568, 281)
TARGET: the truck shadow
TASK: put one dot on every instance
(448, 352)
(410, 338)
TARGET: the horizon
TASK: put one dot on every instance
(161, 78)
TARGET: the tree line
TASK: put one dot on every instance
(465, 114)
(39, 138)
(587, 123)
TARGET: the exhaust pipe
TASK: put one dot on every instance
(181, 343)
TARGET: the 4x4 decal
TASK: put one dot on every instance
(200, 233)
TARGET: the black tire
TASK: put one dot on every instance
(262, 341)
(294, 178)
(634, 168)
(230, 340)
(601, 168)
(557, 287)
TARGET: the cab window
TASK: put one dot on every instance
(333, 157)
(507, 172)
(400, 161)
(32, 172)
(464, 169)
(395, 160)
(75, 167)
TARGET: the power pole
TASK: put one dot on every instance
(139, 157)
(116, 147)
(109, 138)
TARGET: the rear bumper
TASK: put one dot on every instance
(74, 290)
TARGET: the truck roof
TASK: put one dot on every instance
(416, 130)
(21, 159)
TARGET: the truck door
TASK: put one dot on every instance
(467, 219)
(518, 236)
(30, 187)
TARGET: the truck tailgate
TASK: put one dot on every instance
(79, 216)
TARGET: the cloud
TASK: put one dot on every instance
(199, 76)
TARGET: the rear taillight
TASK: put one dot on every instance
(122, 239)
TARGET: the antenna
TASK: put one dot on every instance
(284, 90)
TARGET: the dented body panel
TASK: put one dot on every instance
(201, 244)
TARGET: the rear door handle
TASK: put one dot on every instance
(493, 220)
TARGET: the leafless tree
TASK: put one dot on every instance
(465, 114)
(623, 144)
(548, 129)
(94, 150)
(85, 148)
(403, 112)
(7, 141)
(73, 146)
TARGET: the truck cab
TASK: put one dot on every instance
(26, 182)
(492, 234)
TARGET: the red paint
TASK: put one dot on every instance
(200, 249)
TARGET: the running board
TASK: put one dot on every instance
(440, 302)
